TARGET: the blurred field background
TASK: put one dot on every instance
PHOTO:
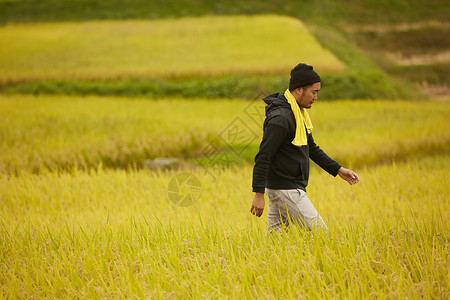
(93, 92)
(187, 47)
(64, 132)
(372, 38)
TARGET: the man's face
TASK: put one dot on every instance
(307, 96)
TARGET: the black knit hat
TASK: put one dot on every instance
(302, 75)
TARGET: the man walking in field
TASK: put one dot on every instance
(282, 163)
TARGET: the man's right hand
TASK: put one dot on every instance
(258, 204)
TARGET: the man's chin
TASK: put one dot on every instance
(306, 106)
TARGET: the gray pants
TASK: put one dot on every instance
(292, 207)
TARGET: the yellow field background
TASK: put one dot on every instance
(185, 47)
(60, 132)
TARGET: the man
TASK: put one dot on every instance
(282, 163)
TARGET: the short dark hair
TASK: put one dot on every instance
(305, 87)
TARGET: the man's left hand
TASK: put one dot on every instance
(348, 175)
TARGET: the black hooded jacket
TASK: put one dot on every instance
(279, 164)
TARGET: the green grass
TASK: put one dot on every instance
(231, 87)
(106, 234)
(325, 11)
(355, 84)
(186, 47)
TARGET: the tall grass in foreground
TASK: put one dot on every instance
(186, 261)
(115, 234)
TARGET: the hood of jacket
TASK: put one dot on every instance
(275, 102)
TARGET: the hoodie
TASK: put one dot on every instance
(279, 164)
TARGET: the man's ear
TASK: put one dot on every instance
(300, 91)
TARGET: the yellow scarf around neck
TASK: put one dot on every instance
(301, 119)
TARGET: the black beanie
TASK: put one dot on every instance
(302, 75)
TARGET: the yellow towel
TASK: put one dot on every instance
(301, 119)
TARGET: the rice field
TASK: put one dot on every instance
(75, 225)
(61, 132)
(200, 47)
(115, 234)
(81, 217)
